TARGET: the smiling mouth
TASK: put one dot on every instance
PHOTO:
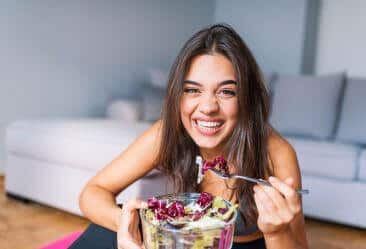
(208, 128)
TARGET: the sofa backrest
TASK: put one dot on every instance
(307, 105)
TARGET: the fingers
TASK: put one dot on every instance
(266, 208)
(128, 233)
(129, 214)
(260, 208)
(278, 203)
(128, 244)
(289, 181)
(290, 194)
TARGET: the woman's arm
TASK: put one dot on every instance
(97, 200)
(280, 209)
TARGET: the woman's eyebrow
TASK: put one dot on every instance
(228, 82)
(225, 82)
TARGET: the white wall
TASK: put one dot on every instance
(273, 30)
(342, 37)
(70, 58)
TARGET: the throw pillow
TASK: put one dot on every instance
(306, 105)
(152, 100)
(158, 77)
(124, 109)
(352, 121)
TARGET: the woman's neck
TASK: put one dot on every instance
(210, 155)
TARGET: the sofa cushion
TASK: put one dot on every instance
(352, 121)
(362, 166)
(85, 143)
(328, 159)
(306, 105)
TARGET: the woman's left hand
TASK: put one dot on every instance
(277, 206)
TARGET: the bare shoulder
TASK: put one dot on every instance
(283, 158)
(132, 163)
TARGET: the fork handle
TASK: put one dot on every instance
(267, 183)
(303, 191)
(299, 191)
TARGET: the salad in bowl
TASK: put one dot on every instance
(188, 221)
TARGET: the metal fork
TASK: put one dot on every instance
(251, 179)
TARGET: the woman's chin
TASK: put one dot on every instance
(209, 145)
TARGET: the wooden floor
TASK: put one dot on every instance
(32, 225)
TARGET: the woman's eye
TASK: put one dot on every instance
(227, 92)
(191, 90)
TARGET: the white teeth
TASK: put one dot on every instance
(208, 124)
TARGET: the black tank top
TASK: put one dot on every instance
(241, 228)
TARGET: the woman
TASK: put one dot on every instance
(216, 104)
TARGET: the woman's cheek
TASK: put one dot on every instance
(186, 111)
(188, 106)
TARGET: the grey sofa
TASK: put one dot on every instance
(323, 117)
(49, 161)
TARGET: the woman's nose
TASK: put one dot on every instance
(208, 104)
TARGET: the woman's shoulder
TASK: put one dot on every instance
(282, 156)
(154, 131)
(150, 139)
(278, 145)
(132, 163)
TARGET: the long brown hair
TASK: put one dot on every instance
(246, 148)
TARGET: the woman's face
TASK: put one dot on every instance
(209, 104)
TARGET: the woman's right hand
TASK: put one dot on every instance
(128, 233)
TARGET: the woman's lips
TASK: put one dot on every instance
(208, 128)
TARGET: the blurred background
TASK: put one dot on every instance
(71, 60)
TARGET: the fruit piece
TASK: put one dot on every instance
(197, 215)
(160, 214)
(222, 210)
(154, 203)
(229, 212)
(218, 202)
(188, 209)
(221, 163)
(176, 209)
(207, 165)
(204, 200)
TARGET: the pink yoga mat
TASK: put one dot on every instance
(64, 242)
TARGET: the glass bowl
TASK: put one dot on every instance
(162, 237)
